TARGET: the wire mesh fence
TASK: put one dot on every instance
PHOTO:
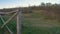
(10, 22)
(11, 26)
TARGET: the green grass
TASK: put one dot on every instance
(34, 23)
(40, 30)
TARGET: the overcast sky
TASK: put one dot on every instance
(22, 3)
(36, 2)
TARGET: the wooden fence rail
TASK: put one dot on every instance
(16, 13)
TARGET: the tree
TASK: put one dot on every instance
(48, 4)
(42, 4)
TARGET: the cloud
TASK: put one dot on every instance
(36, 2)
(23, 3)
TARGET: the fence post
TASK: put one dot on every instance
(19, 21)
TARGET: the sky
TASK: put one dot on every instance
(8, 3)
(24, 3)
(37, 2)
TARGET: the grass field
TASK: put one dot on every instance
(34, 23)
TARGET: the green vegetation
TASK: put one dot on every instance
(33, 23)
